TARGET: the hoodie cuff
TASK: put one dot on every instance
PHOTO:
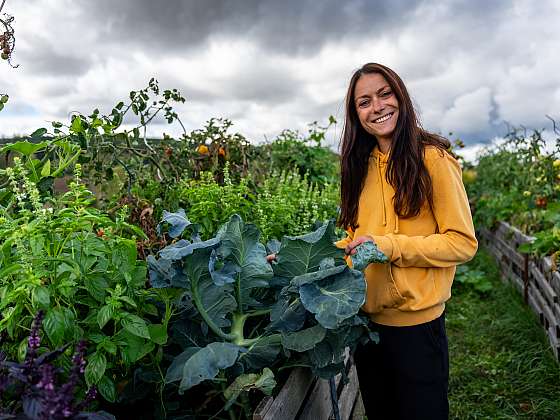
(385, 245)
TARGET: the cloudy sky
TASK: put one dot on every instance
(471, 67)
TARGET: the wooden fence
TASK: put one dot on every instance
(305, 397)
(533, 277)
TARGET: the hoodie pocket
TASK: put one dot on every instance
(420, 287)
(397, 298)
(381, 292)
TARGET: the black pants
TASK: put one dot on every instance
(406, 375)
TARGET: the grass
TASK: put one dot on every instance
(501, 365)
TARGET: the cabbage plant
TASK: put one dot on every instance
(239, 314)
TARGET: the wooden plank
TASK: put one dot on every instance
(359, 411)
(546, 267)
(319, 404)
(348, 394)
(512, 253)
(546, 318)
(554, 342)
(555, 282)
(517, 283)
(288, 401)
(262, 408)
(544, 286)
(534, 305)
(520, 237)
(502, 231)
(556, 310)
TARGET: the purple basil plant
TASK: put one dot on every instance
(36, 389)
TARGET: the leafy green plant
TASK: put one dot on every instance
(503, 191)
(473, 279)
(305, 153)
(286, 203)
(241, 315)
(72, 261)
(43, 161)
(289, 204)
(211, 204)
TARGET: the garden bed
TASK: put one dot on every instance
(534, 277)
(306, 397)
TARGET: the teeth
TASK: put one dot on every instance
(382, 119)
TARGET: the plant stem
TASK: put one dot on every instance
(202, 310)
(258, 313)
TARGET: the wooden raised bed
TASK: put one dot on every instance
(305, 397)
(533, 277)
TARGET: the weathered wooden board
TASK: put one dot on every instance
(288, 401)
(511, 253)
(531, 275)
(359, 411)
(555, 282)
(546, 316)
(534, 305)
(304, 397)
(349, 394)
(319, 405)
(554, 342)
(544, 286)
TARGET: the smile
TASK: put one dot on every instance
(383, 118)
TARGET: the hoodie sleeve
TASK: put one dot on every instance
(455, 242)
(345, 241)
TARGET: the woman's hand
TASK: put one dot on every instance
(349, 250)
(270, 258)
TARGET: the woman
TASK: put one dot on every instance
(401, 189)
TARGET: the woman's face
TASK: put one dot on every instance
(376, 105)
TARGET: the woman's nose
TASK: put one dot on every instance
(377, 105)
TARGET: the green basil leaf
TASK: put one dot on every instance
(41, 297)
(158, 333)
(135, 325)
(107, 389)
(104, 315)
(95, 368)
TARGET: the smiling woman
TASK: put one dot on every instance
(377, 108)
(402, 189)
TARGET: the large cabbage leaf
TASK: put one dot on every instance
(334, 298)
(196, 365)
(303, 254)
(239, 244)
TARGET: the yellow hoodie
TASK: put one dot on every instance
(423, 250)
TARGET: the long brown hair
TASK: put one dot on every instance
(405, 171)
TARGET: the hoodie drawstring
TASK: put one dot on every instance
(396, 230)
(382, 193)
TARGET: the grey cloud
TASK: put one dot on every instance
(43, 58)
(264, 85)
(294, 26)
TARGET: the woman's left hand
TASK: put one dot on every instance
(349, 250)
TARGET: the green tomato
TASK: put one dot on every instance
(4, 99)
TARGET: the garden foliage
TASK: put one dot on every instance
(240, 315)
(518, 181)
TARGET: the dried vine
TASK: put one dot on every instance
(7, 37)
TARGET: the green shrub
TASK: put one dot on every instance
(80, 267)
(286, 204)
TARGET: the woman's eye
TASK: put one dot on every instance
(362, 104)
(385, 94)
